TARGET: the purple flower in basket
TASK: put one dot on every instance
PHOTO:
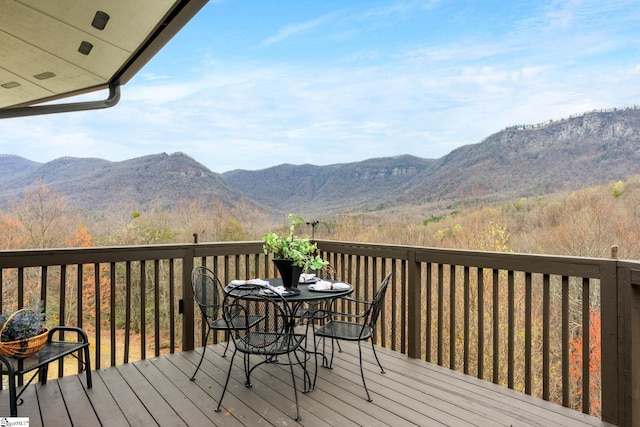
(24, 324)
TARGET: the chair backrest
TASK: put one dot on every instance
(208, 292)
(378, 301)
(327, 272)
(255, 303)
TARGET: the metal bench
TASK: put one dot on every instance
(52, 351)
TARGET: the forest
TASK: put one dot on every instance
(587, 223)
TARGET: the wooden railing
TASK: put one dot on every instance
(565, 329)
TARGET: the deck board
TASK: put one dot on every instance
(30, 405)
(149, 395)
(128, 402)
(105, 406)
(77, 402)
(158, 392)
(52, 405)
(191, 403)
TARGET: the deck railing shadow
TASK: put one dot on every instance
(565, 329)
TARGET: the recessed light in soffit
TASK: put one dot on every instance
(10, 85)
(45, 75)
(85, 48)
(100, 20)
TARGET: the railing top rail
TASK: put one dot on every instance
(365, 249)
(48, 257)
(550, 264)
(228, 248)
(60, 256)
(534, 263)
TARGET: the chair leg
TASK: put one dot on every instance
(204, 348)
(87, 366)
(226, 383)
(43, 374)
(247, 371)
(315, 355)
(224, 354)
(326, 362)
(333, 341)
(308, 385)
(295, 390)
(382, 371)
(364, 383)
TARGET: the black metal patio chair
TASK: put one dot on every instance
(361, 328)
(273, 336)
(209, 295)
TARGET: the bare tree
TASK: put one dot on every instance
(45, 217)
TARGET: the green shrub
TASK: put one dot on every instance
(618, 189)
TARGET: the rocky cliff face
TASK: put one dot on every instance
(524, 161)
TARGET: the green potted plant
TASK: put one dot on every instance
(292, 254)
(22, 332)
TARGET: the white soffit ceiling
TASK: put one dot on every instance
(53, 49)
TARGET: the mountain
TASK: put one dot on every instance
(333, 188)
(519, 161)
(525, 161)
(95, 184)
(516, 162)
(11, 166)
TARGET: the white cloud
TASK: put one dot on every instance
(418, 97)
(295, 29)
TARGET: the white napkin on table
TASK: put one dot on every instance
(324, 285)
(305, 277)
(276, 289)
(259, 282)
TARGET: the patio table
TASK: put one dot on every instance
(301, 294)
(298, 296)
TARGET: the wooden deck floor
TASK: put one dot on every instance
(158, 392)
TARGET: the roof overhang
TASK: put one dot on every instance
(56, 49)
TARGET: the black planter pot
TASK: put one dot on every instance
(290, 273)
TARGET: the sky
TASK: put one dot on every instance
(255, 84)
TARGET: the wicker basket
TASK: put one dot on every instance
(23, 348)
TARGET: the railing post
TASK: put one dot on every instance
(612, 339)
(188, 333)
(634, 356)
(414, 296)
(620, 331)
(629, 349)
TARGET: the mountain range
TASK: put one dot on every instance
(160, 180)
(520, 161)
